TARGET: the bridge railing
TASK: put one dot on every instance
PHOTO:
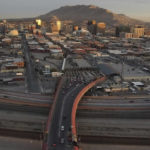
(75, 106)
(48, 125)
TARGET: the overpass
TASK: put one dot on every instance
(127, 106)
(75, 106)
(60, 133)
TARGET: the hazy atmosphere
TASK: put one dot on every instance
(74, 74)
(20, 8)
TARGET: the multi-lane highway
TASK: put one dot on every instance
(25, 97)
(90, 107)
(61, 120)
(59, 126)
(91, 103)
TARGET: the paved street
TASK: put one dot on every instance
(32, 79)
(60, 135)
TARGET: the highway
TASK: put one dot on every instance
(62, 119)
(89, 122)
(93, 103)
(101, 108)
(114, 127)
(25, 97)
(30, 98)
(128, 124)
(60, 129)
(89, 127)
(59, 123)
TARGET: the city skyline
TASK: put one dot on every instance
(138, 9)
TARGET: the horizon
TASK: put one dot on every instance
(34, 10)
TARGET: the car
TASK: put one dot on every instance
(76, 85)
(64, 117)
(62, 140)
(5, 96)
(54, 145)
(62, 128)
(131, 101)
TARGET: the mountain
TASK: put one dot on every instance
(80, 13)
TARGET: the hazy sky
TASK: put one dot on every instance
(28, 8)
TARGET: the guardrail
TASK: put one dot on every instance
(75, 106)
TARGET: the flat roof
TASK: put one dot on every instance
(106, 69)
(128, 71)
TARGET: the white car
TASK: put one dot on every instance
(62, 128)
(62, 140)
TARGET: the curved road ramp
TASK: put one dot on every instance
(60, 133)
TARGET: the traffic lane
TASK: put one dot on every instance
(31, 74)
(123, 97)
(55, 121)
(22, 94)
(97, 99)
(64, 134)
(69, 104)
(24, 99)
(67, 97)
(128, 105)
(127, 114)
(56, 139)
(9, 95)
(67, 113)
(55, 118)
(53, 138)
(28, 70)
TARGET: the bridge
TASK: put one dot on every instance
(60, 133)
(90, 108)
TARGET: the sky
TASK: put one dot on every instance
(139, 9)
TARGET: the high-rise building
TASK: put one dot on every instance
(67, 26)
(38, 23)
(55, 25)
(75, 28)
(101, 26)
(92, 26)
(122, 28)
(126, 35)
(138, 31)
(3, 27)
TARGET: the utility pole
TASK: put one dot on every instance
(122, 73)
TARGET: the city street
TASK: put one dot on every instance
(31, 76)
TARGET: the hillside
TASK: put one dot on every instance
(80, 13)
